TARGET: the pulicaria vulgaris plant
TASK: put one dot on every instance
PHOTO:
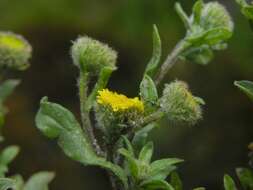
(124, 150)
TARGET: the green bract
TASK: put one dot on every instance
(91, 55)
(15, 51)
(179, 104)
(246, 8)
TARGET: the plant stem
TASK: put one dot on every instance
(171, 60)
(85, 113)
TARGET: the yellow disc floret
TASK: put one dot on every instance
(119, 102)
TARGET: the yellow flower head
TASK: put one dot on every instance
(119, 102)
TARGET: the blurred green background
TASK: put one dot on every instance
(215, 146)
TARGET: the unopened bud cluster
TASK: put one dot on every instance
(215, 15)
(15, 51)
(91, 55)
(179, 104)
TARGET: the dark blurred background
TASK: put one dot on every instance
(215, 146)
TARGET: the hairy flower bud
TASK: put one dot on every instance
(15, 51)
(208, 29)
(210, 24)
(215, 15)
(180, 105)
(91, 55)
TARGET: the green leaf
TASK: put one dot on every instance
(210, 37)
(181, 13)
(160, 169)
(229, 183)
(156, 185)
(39, 181)
(7, 87)
(140, 136)
(246, 87)
(175, 181)
(246, 177)
(131, 162)
(7, 183)
(197, 9)
(248, 12)
(199, 188)
(129, 146)
(146, 153)
(242, 2)
(156, 56)
(200, 55)
(55, 121)
(148, 91)
(7, 156)
(19, 182)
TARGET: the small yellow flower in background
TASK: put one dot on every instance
(119, 102)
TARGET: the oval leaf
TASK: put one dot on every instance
(229, 183)
(246, 87)
(39, 181)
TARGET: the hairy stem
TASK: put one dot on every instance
(170, 61)
(85, 113)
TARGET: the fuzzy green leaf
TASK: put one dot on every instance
(229, 183)
(131, 162)
(201, 55)
(19, 182)
(148, 91)
(175, 181)
(182, 15)
(7, 87)
(156, 56)
(160, 169)
(39, 181)
(199, 188)
(246, 177)
(6, 156)
(7, 183)
(140, 136)
(156, 185)
(210, 37)
(146, 153)
(246, 87)
(129, 146)
(55, 121)
(197, 9)
(248, 12)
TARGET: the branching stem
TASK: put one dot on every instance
(171, 60)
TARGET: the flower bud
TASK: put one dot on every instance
(210, 24)
(180, 105)
(215, 15)
(208, 29)
(91, 55)
(15, 51)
